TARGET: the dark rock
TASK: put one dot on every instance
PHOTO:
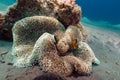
(49, 76)
(9, 63)
(117, 63)
(1, 61)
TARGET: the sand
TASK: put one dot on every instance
(105, 44)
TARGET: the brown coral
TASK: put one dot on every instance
(66, 13)
(53, 17)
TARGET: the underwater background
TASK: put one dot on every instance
(101, 18)
(105, 13)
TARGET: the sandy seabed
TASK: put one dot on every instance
(105, 44)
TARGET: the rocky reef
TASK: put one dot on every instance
(1, 19)
(33, 45)
(51, 8)
(48, 33)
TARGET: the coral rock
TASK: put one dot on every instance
(67, 14)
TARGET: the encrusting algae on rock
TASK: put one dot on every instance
(48, 32)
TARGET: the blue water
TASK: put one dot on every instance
(105, 13)
(102, 13)
(7, 2)
(107, 10)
